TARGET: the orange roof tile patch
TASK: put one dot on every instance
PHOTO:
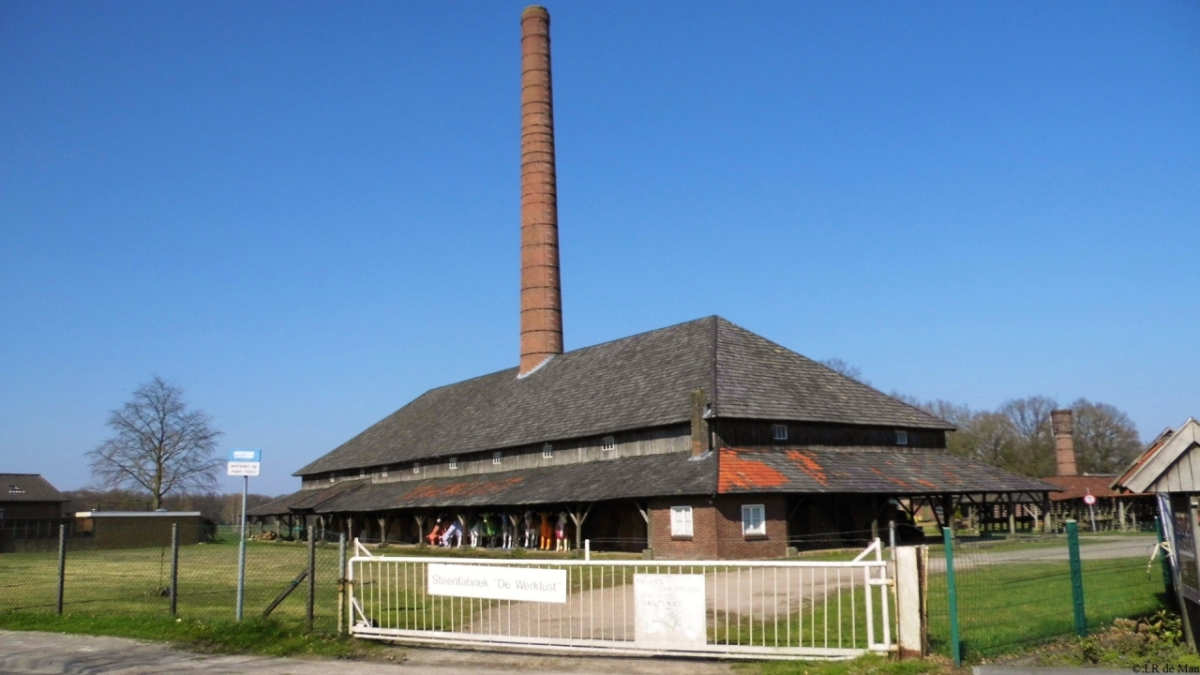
(738, 472)
(808, 464)
(1075, 487)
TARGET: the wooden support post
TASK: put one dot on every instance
(1012, 516)
(420, 528)
(575, 516)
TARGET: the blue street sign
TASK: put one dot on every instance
(245, 455)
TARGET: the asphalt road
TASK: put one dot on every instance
(55, 654)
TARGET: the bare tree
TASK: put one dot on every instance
(1030, 419)
(1106, 440)
(160, 446)
(842, 368)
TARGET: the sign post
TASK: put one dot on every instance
(1090, 500)
(243, 462)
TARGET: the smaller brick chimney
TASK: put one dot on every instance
(1064, 442)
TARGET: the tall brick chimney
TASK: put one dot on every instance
(541, 296)
(1064, 441)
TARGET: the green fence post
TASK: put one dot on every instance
(952, 597)
(1168, 578)
(1076, 577)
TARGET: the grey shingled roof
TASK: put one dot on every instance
(625, 478)
(636, 382)
(842, 471)
(306, 500)
(27, 487)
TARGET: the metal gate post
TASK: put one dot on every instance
(62, 563)
(341, 582)
(312, 576)
(952, 598)
(1076, 577)
(174, 568)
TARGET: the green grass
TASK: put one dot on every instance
(1011, 606)
(256, 636)
(131, 582)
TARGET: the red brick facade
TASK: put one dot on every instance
(717, 529)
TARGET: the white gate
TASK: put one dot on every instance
(752, 609)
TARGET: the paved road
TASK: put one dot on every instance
(1107, 548)
(54, 654)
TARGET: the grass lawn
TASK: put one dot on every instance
(132, 582)
(1005, 607)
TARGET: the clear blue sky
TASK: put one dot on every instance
(306, 214)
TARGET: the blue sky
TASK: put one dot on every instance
(306, 214)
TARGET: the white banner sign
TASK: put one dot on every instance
(243, 469)
(498, 583)
(669, 609)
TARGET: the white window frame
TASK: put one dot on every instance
(416, 467)
(749, 527)
(779, 432)
(608, 444)
(548, 451)
(497, 457)
(901, 437)
(681, 521)
(453, 463)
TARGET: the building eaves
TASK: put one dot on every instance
(626, 478)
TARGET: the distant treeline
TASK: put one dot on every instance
(1017, 436)
(219, 508)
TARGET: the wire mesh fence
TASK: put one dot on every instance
(1018, 592)
(137, 581)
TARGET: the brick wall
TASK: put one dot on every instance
(733, 545)
(717, 529)
(702, 545)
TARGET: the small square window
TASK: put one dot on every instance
(779, 432)
(754, 520)
(416, 467)
(609, 444)
(681, 521)
(901, 437)
(453, 462)
(383, 472)
(548, 451)
(497, 457)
